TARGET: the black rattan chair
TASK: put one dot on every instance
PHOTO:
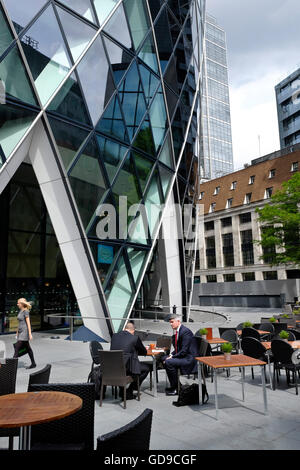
(250, 332)
(232, 337)
(40, 377)
(267, 326)
(75, 432)
(278, 327)
(240, 326)
(132, 437)
(8, 375)
(282, 354)
(95, 346)
(223, 329)
(296, 333)
(252, 347)
(114, 372)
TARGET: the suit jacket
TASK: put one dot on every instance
(187, 349)
(132, 347)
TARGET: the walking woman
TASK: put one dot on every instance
(24, 331)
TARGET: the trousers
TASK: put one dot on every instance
(24, 344)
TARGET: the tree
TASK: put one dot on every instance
(281, 225)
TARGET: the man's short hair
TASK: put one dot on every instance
(130, 326)
(174, 316)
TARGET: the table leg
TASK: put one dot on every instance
(200, 382)
(216, 391)
(270, 373)
(154, 377)
(243, 382)
(25, 438)
(263, 380)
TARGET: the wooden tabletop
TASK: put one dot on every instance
(154, 352)
(239, 332)
(236, 360)
(25, 409)
(217, 341)
(294, 344)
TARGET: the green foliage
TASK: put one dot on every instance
(285, 316)
(226, 348)
(203, 331)
(296, 312)
(273, 320)
(284, 334)
(281, 220)
(247, 324)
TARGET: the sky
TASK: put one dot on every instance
(263, 43)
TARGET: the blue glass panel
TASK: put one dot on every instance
(166, 179)
(132, 99)
(137, 261)
(6, 36)
(104, 256)
(103, 8)
(22, 12)
(119, 59)
(138, 20)
(143, 168)
(83, 7)
(158, 118)
(148, 54)
(166, 153)
(111, 122)
(144, 139)
(117, 28)
(163, 39)
(153, 204)
(46, 54)
(150, 82)
(112, 154)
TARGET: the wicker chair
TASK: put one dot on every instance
(8, 375)
(132, 437)
(282, 354)
(252, 347)
(40, 377)
(296, 333)
(114, 372)
(250, 333)
(75, 432)
(95, 346)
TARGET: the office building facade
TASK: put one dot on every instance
(216, 144)
(100, 110)
(288, 109)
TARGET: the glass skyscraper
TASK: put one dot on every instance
(101, 101)
(216, 144)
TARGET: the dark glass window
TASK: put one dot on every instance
(293, 274)
(209, 226)
(245, 218)
(229, 277)
(212, 278)
(248, 277)
(228, 252)
(247, 247)
(227, 222)
(210, 252)
(270, 275)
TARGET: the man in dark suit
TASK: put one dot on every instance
(132, 346)
(183, 355)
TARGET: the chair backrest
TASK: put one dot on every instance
(265, 319)
(134, 436)
(296, 333)
(291, 336)
(112, 364)
(222, 330)
(267, 327)
(94, 350)
(164, 342)
(8, 375)
(40, 377)
(77, 428)
(202, 345)
(252, 347)
(282, 351)
(231, 336)
(250, 332)
(278, 327)
(256, 326)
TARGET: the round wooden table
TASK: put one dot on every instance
(25, 409)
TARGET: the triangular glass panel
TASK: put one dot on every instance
(138, 20)
(153, 203)
(137, 261)
(150, 82)
(119, 59)
(174, 27)
(154, 6)
(104, 256)
(132, 99)
(69, 102)
(23, 12)
(166, 153)
(13, 74)
(138, 229)
(144, 139)
(78, 33)
(170, 75)
(6, 36)
(148, 54)
(111, 122)
(119, 295)
(103, 8)
(83, 7)
(68, 138)
(112, 154)
(96, 79)
(104, 223)
(172, 101)
(166, 179)
(143, 168)
(14, 122)
(46, 54)
(87, 181)
(117, 28)
(163, 39)
(158, 118)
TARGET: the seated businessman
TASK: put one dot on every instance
(183, 355)
(132, 346)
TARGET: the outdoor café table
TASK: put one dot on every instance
(294, 344)
(154, 353)
(25, 409)
(239, 332)
(217, 341)
(236, 360)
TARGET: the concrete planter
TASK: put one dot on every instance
(227, 356)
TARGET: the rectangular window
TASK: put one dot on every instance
(294, 166)
(245, 218)
(247, 247)
(212, 278)
(227, 222)
(270, 275)
(228, 252)
(233, 185)
(217, 190)
(229, 277)
(268, 193)
(210, 252)
(209, 226)
(229, 203)
(201, 195)
(272, 174)
(251, 179)
(247, 199)
(248, 277)
(212, 207)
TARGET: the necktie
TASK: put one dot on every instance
(176, 334)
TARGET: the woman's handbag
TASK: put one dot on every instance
(189, 395)
(22, 351)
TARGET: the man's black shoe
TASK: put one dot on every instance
(129, 395)
(171, 393)
(169, 389)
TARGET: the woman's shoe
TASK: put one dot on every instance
(32, 366)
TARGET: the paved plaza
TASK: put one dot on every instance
(241, 425)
